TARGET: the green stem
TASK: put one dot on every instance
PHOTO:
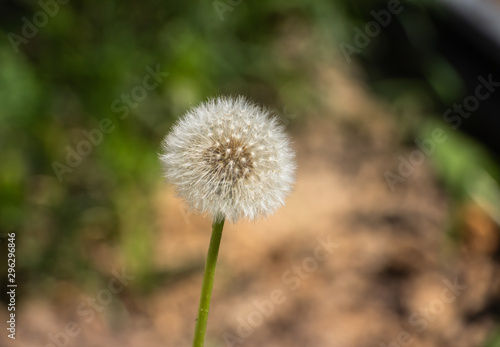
(208, 282)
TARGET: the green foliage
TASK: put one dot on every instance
(494, 340)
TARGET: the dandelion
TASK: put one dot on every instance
(231, 159)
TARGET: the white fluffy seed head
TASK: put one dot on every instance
(228, 157)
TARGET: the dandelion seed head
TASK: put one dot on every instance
(230, 158)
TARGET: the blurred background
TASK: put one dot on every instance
(393, 110)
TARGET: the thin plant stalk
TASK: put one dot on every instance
(208, 282)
